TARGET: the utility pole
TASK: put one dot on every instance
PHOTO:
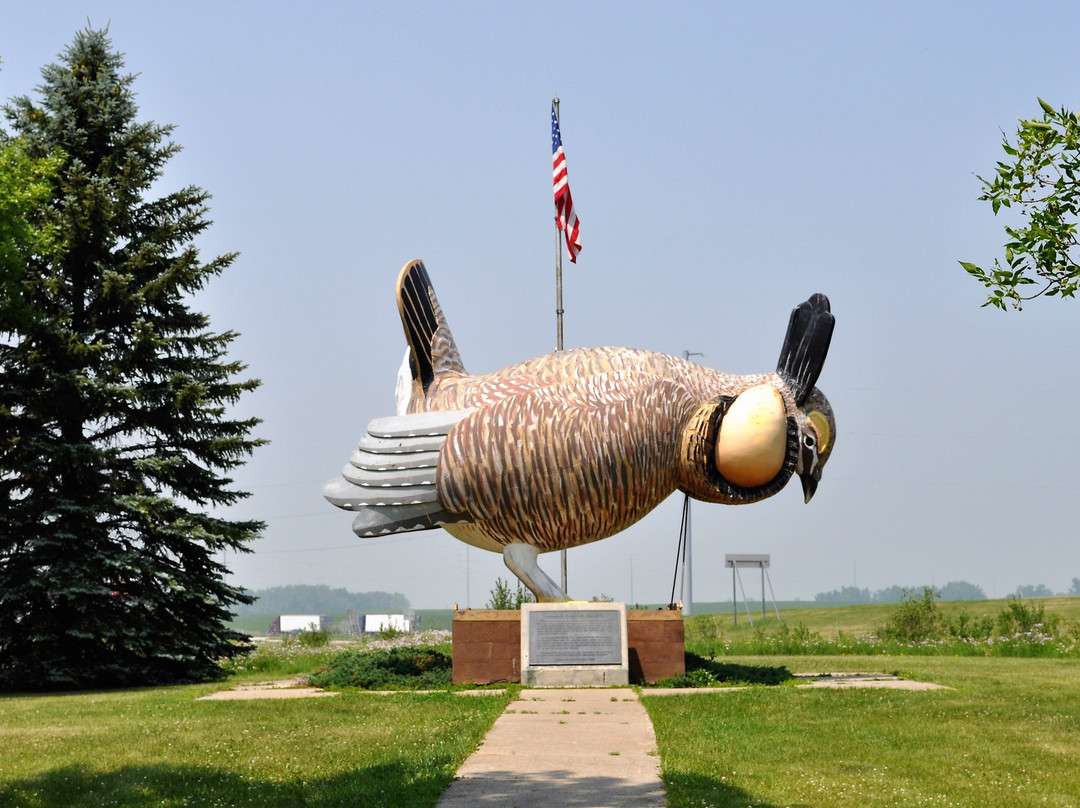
(688, 567)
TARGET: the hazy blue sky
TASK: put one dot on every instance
(726, 160)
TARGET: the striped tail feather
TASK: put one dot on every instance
(431, 345)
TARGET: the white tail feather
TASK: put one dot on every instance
(403, 389)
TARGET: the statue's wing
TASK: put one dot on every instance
(389, 480)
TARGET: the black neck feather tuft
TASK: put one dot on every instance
(805, 346)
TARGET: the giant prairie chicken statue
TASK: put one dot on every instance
(578, 445)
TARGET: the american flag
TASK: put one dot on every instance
(567, 220)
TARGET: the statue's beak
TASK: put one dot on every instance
(809, 486)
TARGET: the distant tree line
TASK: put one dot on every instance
(1034, 591)
(954, 590)
(321, 599)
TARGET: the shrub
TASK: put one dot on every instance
(917, 620)
(313, 638)
(967, 627)
(399, 668)
(503, 597)
(1020, 618)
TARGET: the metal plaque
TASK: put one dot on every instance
(586, 637)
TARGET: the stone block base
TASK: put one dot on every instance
(575, 676)
(657, 645)
(487, 646)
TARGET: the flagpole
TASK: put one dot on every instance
(559, 322)
(558, 291)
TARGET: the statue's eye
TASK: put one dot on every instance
(820, 423)
(808, 441)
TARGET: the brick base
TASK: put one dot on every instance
(656, 643)
(487, 645)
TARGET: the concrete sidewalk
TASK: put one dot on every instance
(590, 748)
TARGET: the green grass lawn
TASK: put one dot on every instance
(1007, 734)
(161, 747)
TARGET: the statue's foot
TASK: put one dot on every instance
(521, 560)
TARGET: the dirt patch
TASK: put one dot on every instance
(842, 680)
(807, 680)
(300, 689)
(279, 689)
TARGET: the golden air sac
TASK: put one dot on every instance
(752, 443)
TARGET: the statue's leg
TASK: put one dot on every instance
(521, 559)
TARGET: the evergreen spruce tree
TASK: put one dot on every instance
(115, 434)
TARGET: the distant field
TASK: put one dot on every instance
(259, 623)
(826, 620)
(866, 617)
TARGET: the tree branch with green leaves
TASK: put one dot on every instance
(1039, 185)
(25, 186)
